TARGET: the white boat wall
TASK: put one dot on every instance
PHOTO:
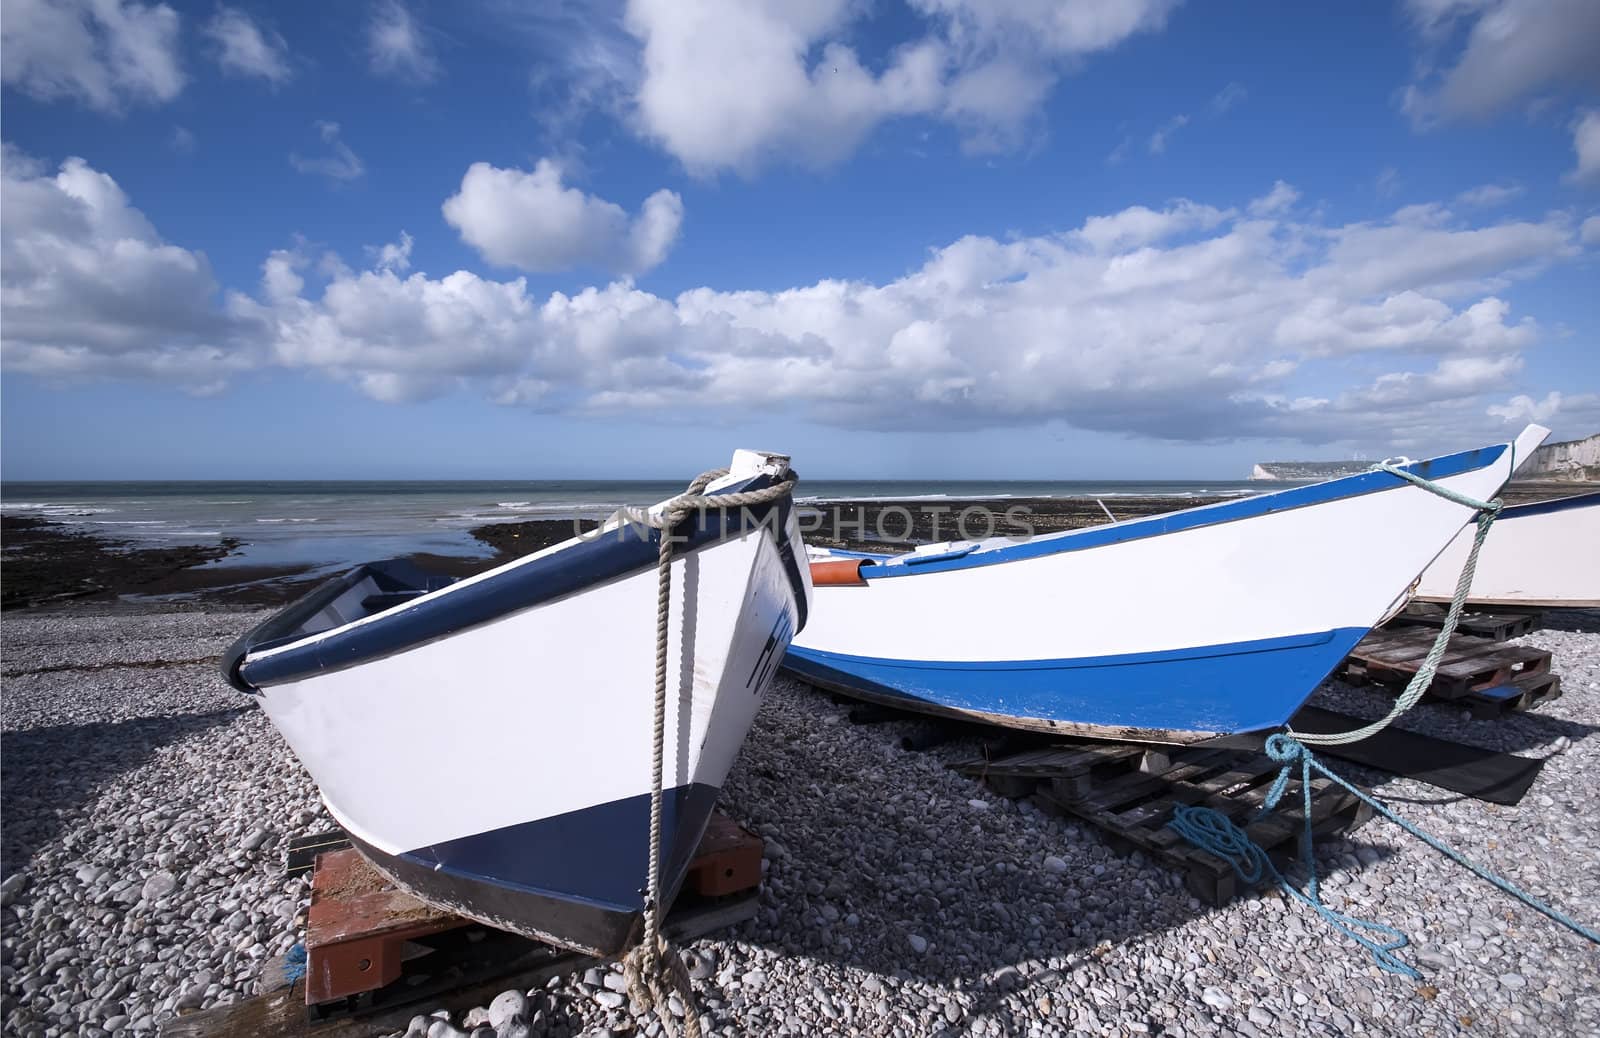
(487, 743)
(1546, 553)
(1173, 628)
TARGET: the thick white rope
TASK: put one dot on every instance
(654, 969)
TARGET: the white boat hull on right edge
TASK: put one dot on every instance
(1542, 554)
(487, 743)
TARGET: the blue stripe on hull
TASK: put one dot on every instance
(1238, 687)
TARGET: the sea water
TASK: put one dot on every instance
(328, 523)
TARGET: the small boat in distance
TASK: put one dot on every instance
(1174, 628)
(486, 743)
(1546, 553)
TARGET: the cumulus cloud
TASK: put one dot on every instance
(397, 47)
(106, 54)
(90, 289)
(1589, 233)
(243, 48)
(532, 221)
(730, 85)
(1512, 49)
(1187, 322)
(1586, 142)
(338, 163)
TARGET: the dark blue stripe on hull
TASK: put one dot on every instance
(577, 878)
(1238, 687)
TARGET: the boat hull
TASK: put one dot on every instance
(503, 772)
(1177, 628)
(1540, 554)
(1132, 697)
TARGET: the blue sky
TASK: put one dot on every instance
(940, 238)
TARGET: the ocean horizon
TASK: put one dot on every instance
(329, 522)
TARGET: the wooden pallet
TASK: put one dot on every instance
(1130, 792)
(374, 953)
(1494, 626)
(1480, 670)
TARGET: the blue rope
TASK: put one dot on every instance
(1213, 832)
(294, 964)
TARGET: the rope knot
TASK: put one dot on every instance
(653, 974)
(1284, 748)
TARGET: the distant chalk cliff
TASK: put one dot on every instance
(1570, 459)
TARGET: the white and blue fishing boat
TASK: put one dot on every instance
(1175, 628)
(1539, 554)
(486, 743)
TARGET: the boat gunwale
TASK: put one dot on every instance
(1201, 517)
(285, 663)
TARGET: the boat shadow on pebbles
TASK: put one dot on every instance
(51, 772)
(1530, 733)
(883, 859)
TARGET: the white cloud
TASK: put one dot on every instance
(1486, 196)
(534, 222)
(731, 85)
(1189, 322)
(392, 256)
(1586, 142)
(244, 48)
(1276, 202)
(1137, 226)
(1228, 97)
(106, 54)
(90, 289)
(1512, 49)
(396, 45)
(1589, 233)
(340, 163)
(1158, 140)
(1523, 408)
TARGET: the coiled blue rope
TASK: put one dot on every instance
(1214, 832)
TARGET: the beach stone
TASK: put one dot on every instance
(1217, 999)
(11, 887)
(700, 964)
(516, 1027)
(1053, 863)
(257, 839)
(159, 886)
(919, 943)
(610, 999)
(508, 1004)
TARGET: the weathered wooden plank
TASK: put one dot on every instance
(282, 1013)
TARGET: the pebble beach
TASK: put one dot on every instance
(147, 806)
